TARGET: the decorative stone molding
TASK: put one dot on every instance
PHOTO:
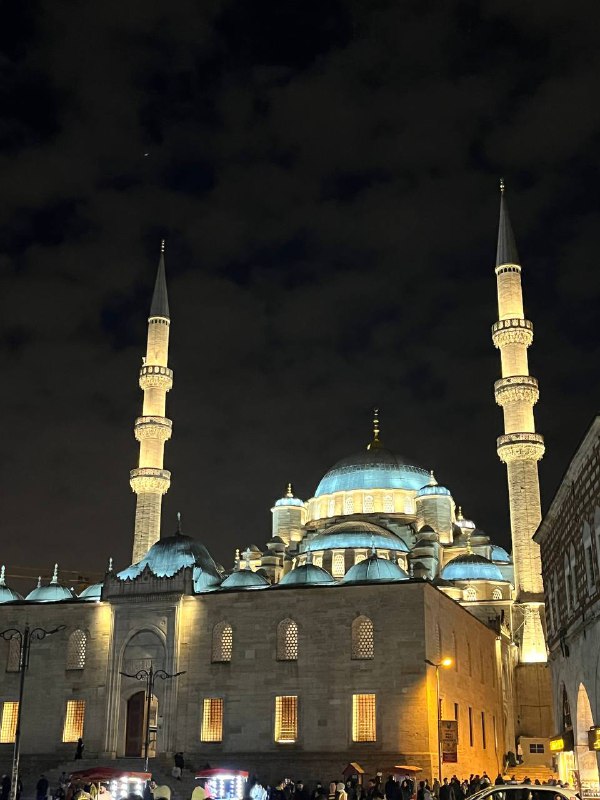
(153, 428)
(153, 376)
(520, 447)
(507, 268)
(149, 480)
(512, 331)
(516, 388)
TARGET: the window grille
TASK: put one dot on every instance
(363, 645)
(368, 504)
(8, 728)
(317, 559)
(212, 720)
(74, 717)
(222, 644)
(287, 640)
(364, 728)
(338, 566)
(359, 555)
(388, 504)
(13, 661)
(470, 593)
(76, 650)
(286, 719)
(349, 505)
(497, 594)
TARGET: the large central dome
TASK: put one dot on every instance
(376, 468)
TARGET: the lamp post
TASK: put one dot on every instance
(25, 638)
(149, 675)
(445, 662)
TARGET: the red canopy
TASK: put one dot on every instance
(221, 773)
(95, 774)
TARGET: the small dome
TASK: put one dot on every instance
(52, 593)
(433, 488)
(375, 569)
(288, 499)
(375, 468)
(92, 593)
(244, 579)
(356, 534)
(500, 555)
(6, 593)
(471, 567)
(306, 575)
(463, 523)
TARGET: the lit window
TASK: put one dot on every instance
(222, 643)
(383, 554)
(388, 504)
(73, 729)
(359, 555)
(364, 728)
(14, 655)
(362, 638)
(338, 567)
(317, 559)
(497, 594)
(212, 720)
(368, 504)
(470, 593)
(331, 508)
(287, 640)
(76, 650)
(8, 728)
(286, 719)
(349, 505)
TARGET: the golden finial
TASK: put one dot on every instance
(162, 245)
(110, 564)
(2, 574)
(432, 480)
(469, 548)
(55, 574)
(289, 492)
(375, 441)
(502, 187)
(459, 515)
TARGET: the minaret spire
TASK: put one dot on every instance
(150, 480)
(375, 441)
(520, 448)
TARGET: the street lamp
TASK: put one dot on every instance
(445, 662)
(149, 675)
(25, 638)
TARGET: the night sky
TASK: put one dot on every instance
(326, 176)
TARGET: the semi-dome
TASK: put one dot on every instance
(288, 499)
(54, 592)
(244, 579)
(499, 555)
(375, 468)
(375, 569)
(471, 567)
(306, 575)
(171, 554)
(91, 593)
(6, 593)
(356, 534)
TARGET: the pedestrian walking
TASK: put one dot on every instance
(41, 789)
(79, 749)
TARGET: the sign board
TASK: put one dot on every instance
(594, 738)
(449, 740)
(590, 790)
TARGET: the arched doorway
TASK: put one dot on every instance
(587, 763)
(135, 732)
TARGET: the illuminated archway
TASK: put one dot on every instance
(587, 763)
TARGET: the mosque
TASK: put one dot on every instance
(376, 614)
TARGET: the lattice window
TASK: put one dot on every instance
(349, 505)
(76, 650)
(8, 727)
(212, 720)
(388, 504)
(286, 719)
(317, 559)
(364, 724)
(497, 594)
(74, 717)
(287, 640)
(13, 660)
(222, 643)
(470, 593)
(338, 566)
(363, 645)
(368, 504)
(359, 555)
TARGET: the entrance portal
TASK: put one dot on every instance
(136, 725)
(587, 763)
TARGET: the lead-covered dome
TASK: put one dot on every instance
(54, 592)
(306, 575)
(471, 567)
(7, 594)
(289, 499)
(92, 593)
(244, 579)
(375, 468)
(356, 534)
(373, 569)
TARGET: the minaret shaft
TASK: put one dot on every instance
(150, 480)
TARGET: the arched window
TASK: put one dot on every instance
(287, 640)
(222, 643)
(388, 504)
(497, 594)
(568, 583)
(317, 559)
(470, 593)
(359, 555)
(76, 650)
(338, 565)
(368, 504)
(362, 638)
(349, 505)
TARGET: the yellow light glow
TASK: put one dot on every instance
(8, 728)
(286, 719)
(557, 745)
(212, 719)
(364, 724)
(74, 717)
(446, 662)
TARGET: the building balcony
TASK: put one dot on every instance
(154, 376)
(520, 447)
(512, 331)
(516, 388)
(152, 427)
(150, 480)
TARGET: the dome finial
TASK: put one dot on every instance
(375, 443)
(469, 548)
(162, 245)
(2, 576)
(432, 480)
(39, 583)
(110, 564)
(289, 492)
(309, 557)
(55, 575)
(502, 186)
(179, 523)
(459, 514)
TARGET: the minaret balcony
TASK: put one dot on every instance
(517, 388)
(520, 447)
(153, 428)
(154, 376)
(150, 480)
(512, 331)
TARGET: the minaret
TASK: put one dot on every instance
(149, 480)
(520, 448)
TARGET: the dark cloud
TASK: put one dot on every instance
(325, 174)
